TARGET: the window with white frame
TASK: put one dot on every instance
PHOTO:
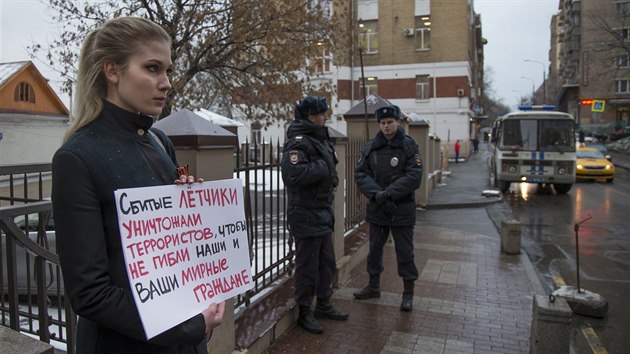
(422, 87)
(623, 8)
(623, 61)
(322, 63)
(371, 86)
(368, 36)
(423, 32)
(622, 86)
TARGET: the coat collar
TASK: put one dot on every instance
(396, 141)
(125, 120)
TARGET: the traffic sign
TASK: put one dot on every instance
(598, 106)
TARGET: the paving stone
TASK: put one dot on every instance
(468, 299)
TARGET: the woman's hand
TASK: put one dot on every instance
(183, 179)
(213, 315)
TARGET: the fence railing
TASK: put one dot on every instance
(356, 203)
(271, 247)
(31, 288)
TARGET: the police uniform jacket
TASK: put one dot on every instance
(112, 152)
(396, 167)
(310, 176)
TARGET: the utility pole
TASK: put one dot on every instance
(367, 130)
(533, 87)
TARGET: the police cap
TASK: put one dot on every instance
(310, 105)
(391, 111)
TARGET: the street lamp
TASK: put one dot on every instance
(533, 90)
(544, 84)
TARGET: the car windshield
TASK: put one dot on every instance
(601, 148)
(589, 154)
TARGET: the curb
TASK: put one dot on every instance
(462, 205)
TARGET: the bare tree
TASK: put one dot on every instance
(492, 106)
(247, 55)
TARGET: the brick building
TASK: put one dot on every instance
(424, 56)
(590, 59)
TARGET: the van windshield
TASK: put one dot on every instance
(538, 135)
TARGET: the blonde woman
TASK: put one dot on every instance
(122, 84)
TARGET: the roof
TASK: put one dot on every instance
(184, 122)
(10, 72)
(416, 119)
(217, 118)
(7, 70)
(537, 115)
(374, 102)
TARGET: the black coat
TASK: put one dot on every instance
(310, 176)
(114, 151)
(396, 167)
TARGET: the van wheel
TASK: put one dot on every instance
(504, 186)
(562, 188)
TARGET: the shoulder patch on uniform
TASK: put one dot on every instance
(418, 159)
(294, 156)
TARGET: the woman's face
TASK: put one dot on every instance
(141, 86)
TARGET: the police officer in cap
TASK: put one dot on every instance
(310, 176)
(388, 173)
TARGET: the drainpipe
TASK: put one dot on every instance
(352, 46)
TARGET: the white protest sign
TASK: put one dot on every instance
(185, 247)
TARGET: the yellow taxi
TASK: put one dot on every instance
(591, 164)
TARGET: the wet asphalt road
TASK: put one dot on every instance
(548, 236)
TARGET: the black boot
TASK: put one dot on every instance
(407, 298)
(325, 309)
(308, 321)
(371, 291)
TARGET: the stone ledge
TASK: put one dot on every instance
(14, 342)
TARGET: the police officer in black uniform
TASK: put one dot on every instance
(388, 173)
(310, 176)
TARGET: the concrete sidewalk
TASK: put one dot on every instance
(469, 298)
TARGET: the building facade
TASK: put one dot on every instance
(424, 56)
(590, 60)
(33, 119)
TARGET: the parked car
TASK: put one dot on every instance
(620, 134)
(591, 165)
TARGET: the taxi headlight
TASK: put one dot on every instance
(579, 166)
(609, 167)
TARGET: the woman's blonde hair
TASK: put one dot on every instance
(115, 41)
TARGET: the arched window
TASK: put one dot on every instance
(24, 93)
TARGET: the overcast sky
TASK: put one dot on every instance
(515, 30)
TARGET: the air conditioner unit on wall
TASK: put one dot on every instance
(408, 32)
(460, 92)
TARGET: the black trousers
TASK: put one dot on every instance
(315, 267)
(403, 242)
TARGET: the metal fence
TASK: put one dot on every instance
(31, 288)
(271, 247)
(355, 201)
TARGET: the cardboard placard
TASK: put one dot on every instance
(185, 247)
